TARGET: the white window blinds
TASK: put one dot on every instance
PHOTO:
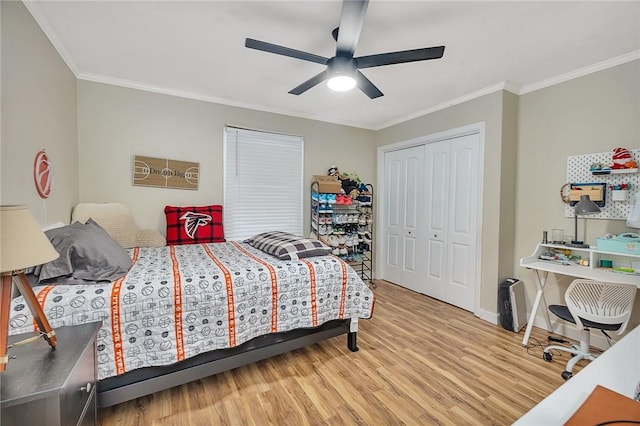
(263, 184)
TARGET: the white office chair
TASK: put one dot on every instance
(592, 304)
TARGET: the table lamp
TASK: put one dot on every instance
(582, 208)
(22, 245)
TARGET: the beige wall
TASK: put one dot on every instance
(594, 113)
(117, 123)
(497, 207)
(38, 111)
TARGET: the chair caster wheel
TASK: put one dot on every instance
(567, 375)
(547, 356)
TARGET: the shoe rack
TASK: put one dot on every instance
(346, 225)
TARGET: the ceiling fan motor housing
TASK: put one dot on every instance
(341, 65)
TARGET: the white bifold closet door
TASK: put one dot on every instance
(404, 219)
(431, 219)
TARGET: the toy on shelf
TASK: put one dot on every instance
(621, 162)
(622, 159)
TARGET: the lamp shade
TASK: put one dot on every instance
(585, 206)
(22, 242)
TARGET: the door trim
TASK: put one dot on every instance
(380, 245)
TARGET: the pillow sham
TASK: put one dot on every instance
(194, 225)
(87, 252)
(286, 246)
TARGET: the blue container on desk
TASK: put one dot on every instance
(628, 243)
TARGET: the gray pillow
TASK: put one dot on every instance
(87, 252)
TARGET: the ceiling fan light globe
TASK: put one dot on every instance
(341, 83)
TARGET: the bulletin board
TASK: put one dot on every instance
(578, 171)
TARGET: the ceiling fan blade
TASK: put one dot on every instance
(367, 86)
(284, 51)
(400, 57)
(313, 81)
(351, 22)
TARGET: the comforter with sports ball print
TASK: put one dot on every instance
(179, 301)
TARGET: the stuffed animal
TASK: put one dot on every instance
(622, 159)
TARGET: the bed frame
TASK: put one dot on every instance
(145, 381)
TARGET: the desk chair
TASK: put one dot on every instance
(592, 304)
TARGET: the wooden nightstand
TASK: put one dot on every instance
(52, 387)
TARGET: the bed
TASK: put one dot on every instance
(184, 312)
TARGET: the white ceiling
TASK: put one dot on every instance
(196, 49)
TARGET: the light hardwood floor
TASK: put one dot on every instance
(421, 361)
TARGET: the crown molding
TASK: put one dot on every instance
(505, 85)
(34, 9)
(98, 78)
(580, 72)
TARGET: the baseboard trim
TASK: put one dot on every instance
(491, 317)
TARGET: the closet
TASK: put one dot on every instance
(430, 218)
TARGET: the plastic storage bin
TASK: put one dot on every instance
(628, 243)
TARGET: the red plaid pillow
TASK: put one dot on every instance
(194, 225)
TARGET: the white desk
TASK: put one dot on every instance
(591, 272)
(618, 369)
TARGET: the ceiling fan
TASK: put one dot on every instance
(343, 70)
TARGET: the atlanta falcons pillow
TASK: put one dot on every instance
(194, 225)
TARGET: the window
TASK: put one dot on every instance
(263, 185)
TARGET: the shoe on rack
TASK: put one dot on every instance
(332, 240)
(335, 251)
(331, 198)
(343, 250)
(347, 240)
(367, 238)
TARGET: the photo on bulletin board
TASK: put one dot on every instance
(597, 192)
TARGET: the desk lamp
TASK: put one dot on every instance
(22, 245)
(582, 208)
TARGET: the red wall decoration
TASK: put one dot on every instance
(42, 174)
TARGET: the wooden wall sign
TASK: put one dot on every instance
(164, 173)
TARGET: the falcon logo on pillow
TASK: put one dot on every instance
(192, 221)
(194, 225)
